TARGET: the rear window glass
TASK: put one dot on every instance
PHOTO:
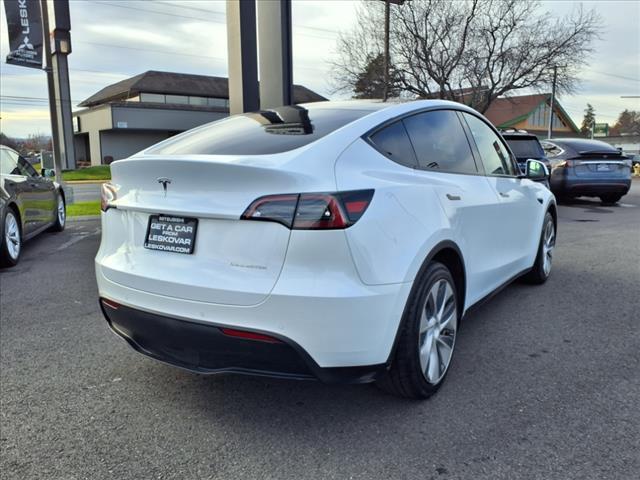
(260, 133)
(525, 147)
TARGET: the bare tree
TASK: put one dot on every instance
(474, 50)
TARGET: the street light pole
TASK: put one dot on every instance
(553, 97)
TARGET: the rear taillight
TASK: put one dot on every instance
(566, 163)
(108, 194)
(311, 211)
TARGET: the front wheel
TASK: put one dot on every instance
(427, 336)
(11, 242)
(542, 266)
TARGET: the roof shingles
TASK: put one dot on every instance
(179, 84)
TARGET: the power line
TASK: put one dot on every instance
(169, 14)
(616, 76)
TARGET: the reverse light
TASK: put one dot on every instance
(108, 195)
(311, 211)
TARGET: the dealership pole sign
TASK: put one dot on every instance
(24, 23)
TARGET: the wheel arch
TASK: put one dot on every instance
(449, 254)
(553, 210)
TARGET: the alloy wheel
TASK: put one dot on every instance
(437, 334)
(12, 235)
(62, 214)
(548, 244)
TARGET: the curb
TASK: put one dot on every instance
(82, 182)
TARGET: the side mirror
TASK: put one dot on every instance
(48, 172)
(536, 170)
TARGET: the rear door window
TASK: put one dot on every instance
(440, 142)
(393, 142)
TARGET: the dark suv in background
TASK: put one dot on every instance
(525, 146)
(589, 168)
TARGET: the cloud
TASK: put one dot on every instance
(113, 40)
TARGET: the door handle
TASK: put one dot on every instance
(453, 197)
(33, 184)
(505, 195)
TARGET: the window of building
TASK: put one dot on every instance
(202, 101)
(152, 97)
(440, 142)
(177, 99)
(218, 102)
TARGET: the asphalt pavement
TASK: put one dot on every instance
(545, 384)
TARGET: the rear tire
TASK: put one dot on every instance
(11, 241)
(542, 266)
(61, 214)
(610, 199)
(427, 336)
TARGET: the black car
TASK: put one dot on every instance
(525, 146)
(29, 204)
(590, 168)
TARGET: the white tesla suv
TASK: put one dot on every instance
(338, 241)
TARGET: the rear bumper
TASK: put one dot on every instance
(590, 186)
(204, 348)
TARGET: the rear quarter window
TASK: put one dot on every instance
(393, 142)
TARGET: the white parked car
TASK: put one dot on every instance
(337, 240)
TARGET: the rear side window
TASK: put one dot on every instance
(393, 141)
(260, 133)
(440, 142)
(551, 149)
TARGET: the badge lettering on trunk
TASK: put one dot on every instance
(164, 181)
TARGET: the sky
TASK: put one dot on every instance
(116, 39)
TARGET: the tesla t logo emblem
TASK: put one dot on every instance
(164, 181)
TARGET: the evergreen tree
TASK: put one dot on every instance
(370, 82)
(588, 120)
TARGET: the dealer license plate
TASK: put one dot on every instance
(171, 234)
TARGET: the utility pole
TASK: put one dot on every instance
(553, 97)
(44, 8)
(387, 15)
(387, 22)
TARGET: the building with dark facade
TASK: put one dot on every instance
(130, 115)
